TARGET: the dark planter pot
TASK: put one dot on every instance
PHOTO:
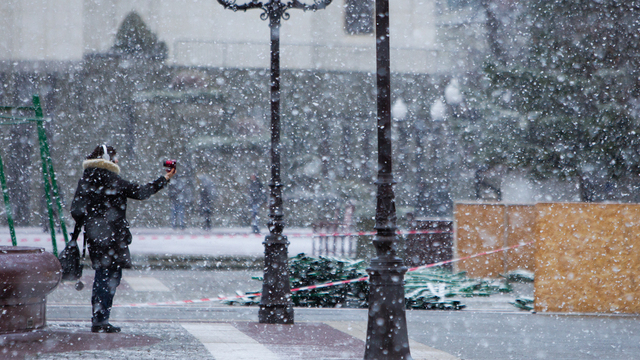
(27, 275)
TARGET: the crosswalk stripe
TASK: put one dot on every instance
(145, 283)
(225, 342)
(358, 329)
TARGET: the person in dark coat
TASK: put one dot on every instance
(100, 205)
(257, 197)
(208, 198)
(180, 196)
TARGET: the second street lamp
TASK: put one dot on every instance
(387, 337)
(275, 305)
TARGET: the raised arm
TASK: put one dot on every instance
(142, 192)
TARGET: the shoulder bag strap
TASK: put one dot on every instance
(76, 233)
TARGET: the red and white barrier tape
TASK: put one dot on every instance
(335, 234)
(219, 236)
(319, 286)
(468, 257)
(372, 233)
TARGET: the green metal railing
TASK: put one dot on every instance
(48, 175)
(7, 204)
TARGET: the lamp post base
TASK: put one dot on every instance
(276, 306)
(276, 314)
(387, 337)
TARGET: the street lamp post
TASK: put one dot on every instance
(275, 304)
(387, 336)
(439, 203)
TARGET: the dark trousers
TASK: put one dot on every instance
(105, 282)
(255, 219)
(206, 213)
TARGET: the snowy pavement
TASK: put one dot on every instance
(202, 332)
(168, 242)
(219, 340)
(488, 329)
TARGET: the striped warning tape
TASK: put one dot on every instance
(372, 233)
(246, 235)
(469, 257)
(319, 286)
(334, 234)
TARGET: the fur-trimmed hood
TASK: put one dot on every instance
(102, 164)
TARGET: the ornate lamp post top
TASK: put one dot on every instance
(275, 9)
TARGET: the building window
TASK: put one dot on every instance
(359, 17)
(461, 4)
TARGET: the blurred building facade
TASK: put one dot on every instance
(193, 85)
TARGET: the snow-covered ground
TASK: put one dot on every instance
(167, 241)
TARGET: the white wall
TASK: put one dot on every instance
(41, 29)
(203, 33)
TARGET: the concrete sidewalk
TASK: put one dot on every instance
(205, 332)
(197, 339)
(488, 329)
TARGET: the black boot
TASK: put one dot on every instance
(106, 328)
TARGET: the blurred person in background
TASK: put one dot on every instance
(208, 197)
(257, 197)
(180, 195)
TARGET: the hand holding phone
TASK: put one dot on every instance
(170, 166)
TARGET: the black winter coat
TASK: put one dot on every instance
(100, 203)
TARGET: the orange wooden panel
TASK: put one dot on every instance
(521, 220)
(587, 258)
(479, 228)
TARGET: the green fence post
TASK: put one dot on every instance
(45, 176)
(7, 204)
(42, 136)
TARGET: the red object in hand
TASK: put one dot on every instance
(169, 164)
